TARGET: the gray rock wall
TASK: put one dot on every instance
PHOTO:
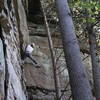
(13, 38)
(2, 71)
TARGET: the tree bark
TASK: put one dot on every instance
(80, 86)
(95, 63)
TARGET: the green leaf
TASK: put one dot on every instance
(91, 20)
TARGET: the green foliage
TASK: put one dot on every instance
(79, 10)
(86, 12)
(83, 7)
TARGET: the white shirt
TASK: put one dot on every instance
(29, 49)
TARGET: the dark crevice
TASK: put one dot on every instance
(5, 10)
(9, 4)
(34, 7)
(2, 38)
(35, 13)
(6, 69)
(6, 81)
(15, 98)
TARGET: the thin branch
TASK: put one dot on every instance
(45, 90)
(64, 91)
(61, 71)
(96, 23)
(52, 53)
(85, 57)
(84, 51)
(57, 58)
(69, 97)
(44, 35)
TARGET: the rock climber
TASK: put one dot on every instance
(28, 53)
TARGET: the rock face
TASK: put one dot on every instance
(40, 81)
(2, 71)
(13, 38)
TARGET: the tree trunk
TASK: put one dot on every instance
(95, 63)
(80, 86)
(56, 77)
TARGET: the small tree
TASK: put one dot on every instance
(95, 63)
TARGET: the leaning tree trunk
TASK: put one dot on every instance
(79, 83)
(95, 63)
